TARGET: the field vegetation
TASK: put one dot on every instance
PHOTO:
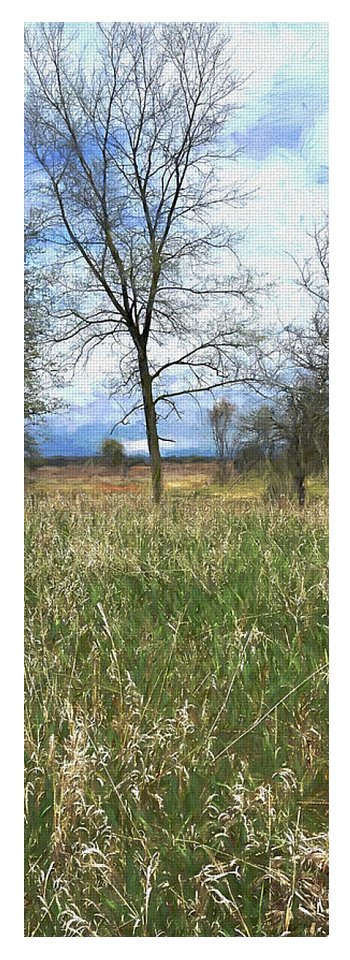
(176, 716)
(190, 479)
(176, 609)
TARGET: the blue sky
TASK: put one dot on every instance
(282, 128)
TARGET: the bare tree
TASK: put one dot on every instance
(286, 432)
(222, 423)
(309, 346)
(129, 152)
(41, 372)
(308, 350)
(295, 376)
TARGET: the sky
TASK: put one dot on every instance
(282, 132)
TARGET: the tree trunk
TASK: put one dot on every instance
(300, 481)
(301, 491)
(300, 471)
(151, 428)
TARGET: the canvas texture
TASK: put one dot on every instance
(176, 477)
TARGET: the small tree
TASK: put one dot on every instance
(113, 453)
(292, 432)
(221, 419)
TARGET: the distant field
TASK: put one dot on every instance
(176, 712)
(183, 478)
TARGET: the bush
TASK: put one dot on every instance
(112, 453)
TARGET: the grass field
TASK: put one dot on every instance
(179, 479)
(176, 717)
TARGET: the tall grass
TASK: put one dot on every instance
(176, 719)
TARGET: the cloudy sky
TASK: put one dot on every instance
(282, 130)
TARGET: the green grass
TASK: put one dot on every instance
(176, 718)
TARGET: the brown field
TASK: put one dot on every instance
(180, 479)
(98, 478)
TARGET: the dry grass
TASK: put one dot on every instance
(176, 718)
(182, 479)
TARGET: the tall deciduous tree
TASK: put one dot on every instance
(134, 162)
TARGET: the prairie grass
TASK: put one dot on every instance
(176, 718)
(201, 482)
